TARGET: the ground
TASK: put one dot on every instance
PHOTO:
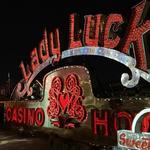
(14, 140)
(10, 140)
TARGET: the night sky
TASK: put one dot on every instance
(22, 24)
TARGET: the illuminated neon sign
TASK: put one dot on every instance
(26, 116)
(98, 41)
(69, 103)
(134, 140)
(68, 100)
(131, 139)
(66, 106)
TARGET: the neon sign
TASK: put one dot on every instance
(66, 107)
(26, 116)
(133, 140)
(68, 100)
(97, 32)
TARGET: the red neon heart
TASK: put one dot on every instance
(64, 100)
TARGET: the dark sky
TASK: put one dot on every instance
(22, 23)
